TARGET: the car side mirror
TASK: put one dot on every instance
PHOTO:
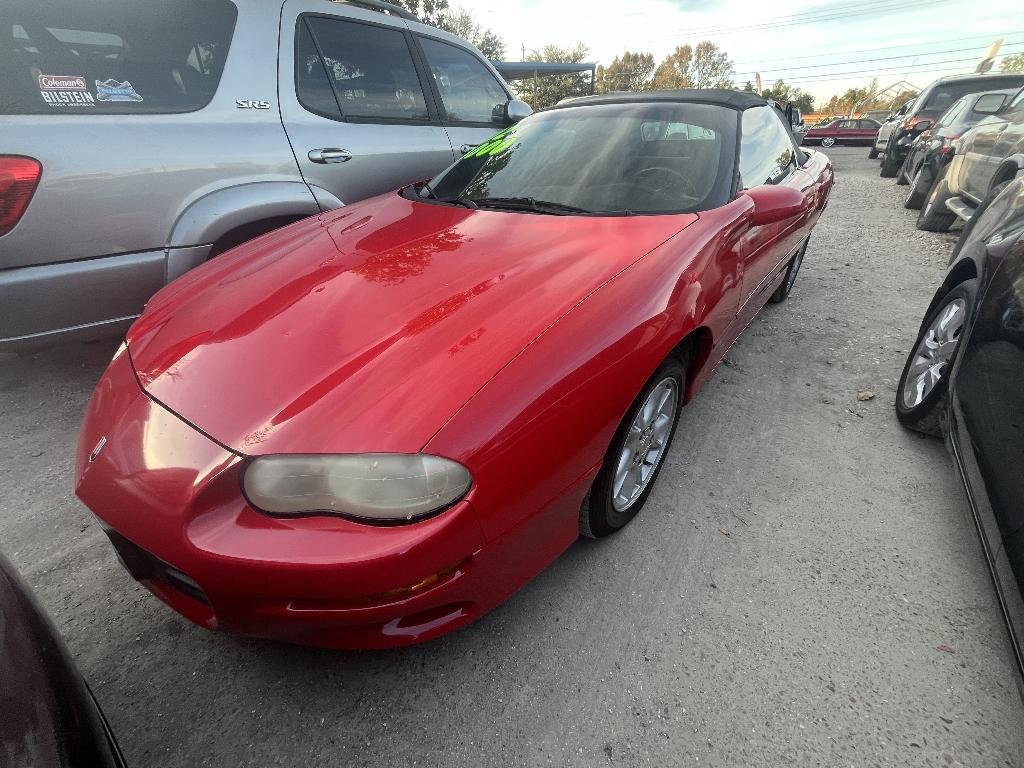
(774, 203)
(922, 125)
(516, 110)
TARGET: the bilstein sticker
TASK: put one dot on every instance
(112, 90)
(65, 91)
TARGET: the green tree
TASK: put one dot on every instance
(1012, 63)
(706, 66)
(785, 94)
(427, 11)
(628, 72)
(675, 70)
(461, 22)
(541, 92)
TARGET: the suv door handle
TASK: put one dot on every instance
(329, 155)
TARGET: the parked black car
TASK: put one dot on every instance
(932, 102)
(963, 380)
(48, 716)
(934, 149)
(987, 158)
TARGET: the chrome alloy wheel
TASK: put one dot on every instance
(828, 142)
(645, 444)
(934, 352)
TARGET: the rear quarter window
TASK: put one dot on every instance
(112, 57)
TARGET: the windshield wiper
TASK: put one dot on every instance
(529, 204)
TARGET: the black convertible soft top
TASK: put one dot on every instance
(739, 100)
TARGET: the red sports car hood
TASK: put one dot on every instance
(366, 328)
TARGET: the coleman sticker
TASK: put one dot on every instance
(65, 91)
(111, 90)
(62, 83)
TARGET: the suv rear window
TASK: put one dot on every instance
(944, 94)
(114, 57)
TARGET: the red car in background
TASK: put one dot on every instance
(860, 130)
(370, 427)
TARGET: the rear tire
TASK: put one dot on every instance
(783, 291)
(890, 163)
(924, 384)
(934, 216)
(621, 489)
(919, 188)
(902, 175)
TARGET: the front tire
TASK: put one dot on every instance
(872, 153)
(924, 384)
(636, 454)
(919, 187)
(828, 142)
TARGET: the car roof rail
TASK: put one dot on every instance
(383, 6)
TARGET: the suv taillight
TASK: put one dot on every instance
(19, 177)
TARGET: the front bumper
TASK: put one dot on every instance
(171, 500)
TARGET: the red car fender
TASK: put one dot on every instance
(535, 435)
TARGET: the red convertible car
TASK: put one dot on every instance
(845, 131)
(370, 427)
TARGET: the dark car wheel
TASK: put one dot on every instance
(903, 174)
(636, 454)
(872, 153)
(890, 163)
(921, 395)
(919, 186)
(782, 292)
(934, 216)
(828, 141)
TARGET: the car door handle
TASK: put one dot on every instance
(329, 155)
(466, 147)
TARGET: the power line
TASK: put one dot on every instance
(825, 76)
(881, 10)
(872, 5)
(868, 61)
(871, 50)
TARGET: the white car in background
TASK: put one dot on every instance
(882, 139)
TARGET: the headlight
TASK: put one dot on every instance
(375, 487)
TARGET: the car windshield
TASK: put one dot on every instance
(602, 159)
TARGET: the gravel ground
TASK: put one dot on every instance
(779, 602)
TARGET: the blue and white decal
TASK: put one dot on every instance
(112, 90)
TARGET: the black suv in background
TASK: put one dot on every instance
(932, 102)
(987, 158)
(930, 154)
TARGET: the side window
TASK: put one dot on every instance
(1018, 101)
(766, 149)
(347, 69)
(468, 90)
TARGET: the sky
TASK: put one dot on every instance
(838, 44)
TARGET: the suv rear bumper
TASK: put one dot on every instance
(76, 300)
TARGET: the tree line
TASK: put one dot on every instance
(705, 65)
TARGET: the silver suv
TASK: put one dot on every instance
(141, 139)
